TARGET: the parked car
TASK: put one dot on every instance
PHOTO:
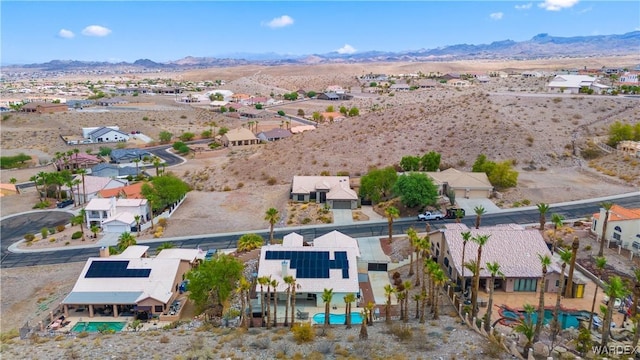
(430, 215)
(617, 303)
(64, 203)
(210, 254)
(451, 213)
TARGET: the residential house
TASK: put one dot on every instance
(515, 248)
(450, 76)
(335, 191)
(120, 156)
(532, 74)
(335, 89)
(111, 102)
(252, 113)
(374, 77)
(427, 83)
(333, 116)
(79, 104)
(8, 189)
(226, 94)
(331, 263)
(301, 128)
(239, 137)
(114, 171)
(133, 91)
(77, 161)
(274, 134)
(116, 215)
(92, 185)
(571, 84)
(458, 83)
(44, 108)
(400, 87)
(239, 97)
(168, 90)
(469, 185)
(133, 191)
(629, 148)
(630, 78)
(254, 100)
(328, 96)
(623, 226)
(104, 134)
(216, 105)
(131, 283)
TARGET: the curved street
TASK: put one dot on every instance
(572, 210)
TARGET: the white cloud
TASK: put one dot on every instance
(524, 6)
(279, 22)
(67, 34)
(557, 5)
(96, 30)
(496, 16)
(346, 49)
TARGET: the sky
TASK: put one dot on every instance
(114, 31)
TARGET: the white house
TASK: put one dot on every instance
(116, 215)
(105, 134)
(92, 185)
(331, 263)
(571, 84)
(629, 78)
(623, 226)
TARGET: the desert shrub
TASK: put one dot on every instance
(52, 231)
(76, 235)
(44, 232)
(187, 136)
(342, 173)
(164, 339)
(8, 162)
(214, 145)
(306, 221)
(261, 343)
(303, 332)
(42, 205)
(145, 118)
(8, 335)
(163, 222)
(226, 188)
(272, 181)
(52, 240)
(83, 334)
(29, 237)
(240, 185)
(402, 332)
(67, 243)
(591, 153)
(60, 228)
(526, 202)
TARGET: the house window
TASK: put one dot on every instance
(595, 223)
(525, 285)
(158, 309)
(617, 233)
(300, 197)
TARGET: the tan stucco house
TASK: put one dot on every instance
(335, 191)
(239, 137)
(470, 185)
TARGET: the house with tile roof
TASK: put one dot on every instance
(92, 185)
(133, 191)
(469, 185)
(623, 227)
(330, 263)
(77, 161)
(44, 107)
(8, 189)
(131, 283)
(515, 248)
(274, 134)
(239, 137)
(335, 191)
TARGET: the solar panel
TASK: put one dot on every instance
(312, 264)
(114, 269)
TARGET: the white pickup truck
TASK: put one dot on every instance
(430, 215)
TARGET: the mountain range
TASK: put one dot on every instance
(539, 47)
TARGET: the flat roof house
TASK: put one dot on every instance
(130, 283)
(623, 226)
(335, 191)
(331, 263)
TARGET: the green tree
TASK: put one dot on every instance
(343, 110)
(546, 262)
(619, 131)
(165, 136)
(95, 229)
(327, 296)
(330, 108)
(481, 241)
(281, 113)
(494, 270)
(316, 116)
(248, 242)
(479, 210)
(410, 163)
(416, 189)
(503, 176)
(614, 289)
(272, 215)
(607, 209)
(354, 112)
(165, 245)
(300, 112)
(601, 264)
(348, 300)
(206, 134)
(388, 291)
(565, 257)
(430, 161)
(482, 164)
(543, 209)
(259, 106)
(311, 94)
(391, 213)
(187, 136)
(557, 221)
(526, 327)
(466, 236)
(164, 190)
(377, 184)
(223, 130)
(125, 240)
(214, 280)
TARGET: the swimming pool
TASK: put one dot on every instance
(338, 319)
(96, 326)
(567, 319)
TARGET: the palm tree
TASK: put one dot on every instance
(348, 299)
(165, 245)
(413, 237)
(575, 245)
(391, 213)
(466, 236)
(400, 299)
(294, 287)
(417, 298)
(272, 216)
(327, 296)
(136, 161)
(432, 268)
(634, 310)
(76, 183)
(407, 286)
(35, 179)
(423, 246)
(607, 207)
(125, 240)
(82, 173)
(287, 280)
(565, 257)
(137, 218)
(481, 240)
(244, 287)
(274, 285)
(557, 220)
(76, 151)
(601, 264)
(95, 229)
(262, 280)
(545, 261)
(479, 210)
(543, 209)
(526, 327)
(494, 270)
(268, 304)
(388, 291)
(439, 279)
(156, 164)
(459, 215)
(615, 289)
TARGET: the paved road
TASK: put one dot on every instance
(373, 229)
(14, 228)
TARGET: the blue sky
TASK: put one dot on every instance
(33, 32)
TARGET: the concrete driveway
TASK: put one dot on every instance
(469, 204)
(342, 216)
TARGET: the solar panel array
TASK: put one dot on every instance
(114, 269)
(312, 264)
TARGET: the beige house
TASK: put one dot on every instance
(515, 248)
(623, 226)
(335, 191)
(131, 283)
(630, 148)
(239, 137)
(469, 185)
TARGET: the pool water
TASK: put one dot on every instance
(567, 319)
(98, 325)
(338, 319)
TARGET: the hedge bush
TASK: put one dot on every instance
(76, 235)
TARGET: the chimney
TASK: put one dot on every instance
(285, 267)
(104, 251)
